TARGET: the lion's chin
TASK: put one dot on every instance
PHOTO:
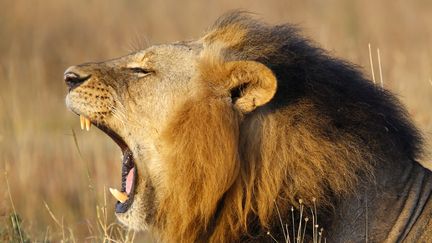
(134, 218)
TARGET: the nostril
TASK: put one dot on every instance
(71, 77)
(73, 80)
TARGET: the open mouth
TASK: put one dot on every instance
(129, 171)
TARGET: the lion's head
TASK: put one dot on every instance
(217, 132)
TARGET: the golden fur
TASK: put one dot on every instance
(217, 156)
(252, 119)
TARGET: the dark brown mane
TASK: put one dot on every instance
(324, 132)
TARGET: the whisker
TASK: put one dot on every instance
(115, 114)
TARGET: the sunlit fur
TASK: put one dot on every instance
(250, 116)
(323, 132)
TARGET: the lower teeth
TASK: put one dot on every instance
(120, 196)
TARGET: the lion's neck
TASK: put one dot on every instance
(388, 207)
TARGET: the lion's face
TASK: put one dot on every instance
(175, 110)
(131, 98)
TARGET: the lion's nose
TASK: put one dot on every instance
(74, 77)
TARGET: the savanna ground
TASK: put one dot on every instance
(57, 174)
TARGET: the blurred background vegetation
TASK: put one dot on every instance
(54, 176)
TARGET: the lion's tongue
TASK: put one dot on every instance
(129, 180)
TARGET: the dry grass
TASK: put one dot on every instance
(39, 39)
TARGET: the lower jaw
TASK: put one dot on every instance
(142, 213)
(125, 206)
(134, 218)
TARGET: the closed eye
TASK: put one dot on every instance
(140, 70)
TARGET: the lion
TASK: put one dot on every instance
(223, 137)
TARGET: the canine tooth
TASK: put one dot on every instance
(87, 124)
(120, 196)
(82, 122)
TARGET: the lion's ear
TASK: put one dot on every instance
(251, 84)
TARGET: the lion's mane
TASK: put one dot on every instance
(322, 134)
